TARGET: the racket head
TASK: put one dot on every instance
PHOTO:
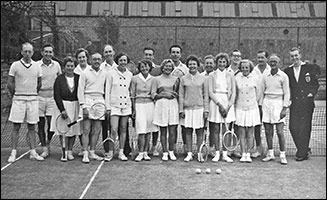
(204, 150)
(230, 140)
(108, 139)
(97, 111)
(62, 124)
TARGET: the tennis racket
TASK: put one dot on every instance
(230, 139)
(132, 140)
(204, 148)
(97, 111)
(62, 127)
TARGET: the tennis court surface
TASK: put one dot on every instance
(52, 178)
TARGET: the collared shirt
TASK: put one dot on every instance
(26, 77)
(237, 72)
(91, 82)
(141, 88)
(248, 94)
(258, 72)
(193, 92)
(276, 87)
(297, 71)
(107, 67)
(49, 74)
(117, 89)
(205, 73)
(78, 70)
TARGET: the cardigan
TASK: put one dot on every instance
(61, 91)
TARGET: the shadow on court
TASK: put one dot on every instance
(157, 179)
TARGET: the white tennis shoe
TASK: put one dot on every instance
(12, 158)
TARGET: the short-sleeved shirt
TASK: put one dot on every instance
(26, 77)
(49, 74)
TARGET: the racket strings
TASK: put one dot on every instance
(62, 124)
(98, 110)
(230, 141)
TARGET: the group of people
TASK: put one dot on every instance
(230, 91)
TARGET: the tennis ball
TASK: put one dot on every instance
(208, 171)
(218, 171)
(198, 171)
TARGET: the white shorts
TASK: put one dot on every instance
(193, 119)
(121, 111)
(24, 111)
(144, 118)
(166, 112)
(46, 105)
(271, 111)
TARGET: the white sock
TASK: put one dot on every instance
(33, 151)
(282, 154)
(271, 152)
(224, 153)
(121, 151)
(171, 152)
(217, 153)
(189, 153)
(92, 152)
(14, 152)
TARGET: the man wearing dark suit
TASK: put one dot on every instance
(303, 86)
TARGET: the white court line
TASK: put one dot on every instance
(15, 160)
(92, 179)
(18, 158)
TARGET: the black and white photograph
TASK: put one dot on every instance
(163, 99)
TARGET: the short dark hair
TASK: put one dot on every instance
(47, 45)
(295, 49)
(175, 45)
(69, 59)
(80, 50)
(120, 55)
(264, 51)
(192, 58)
(149, 48)
(146, 62)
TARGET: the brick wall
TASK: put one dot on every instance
(203, 36)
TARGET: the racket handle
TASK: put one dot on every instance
(74, 122)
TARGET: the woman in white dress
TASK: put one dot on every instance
(142, 107)
(221, 108)
(165, 115)
(246, 107)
